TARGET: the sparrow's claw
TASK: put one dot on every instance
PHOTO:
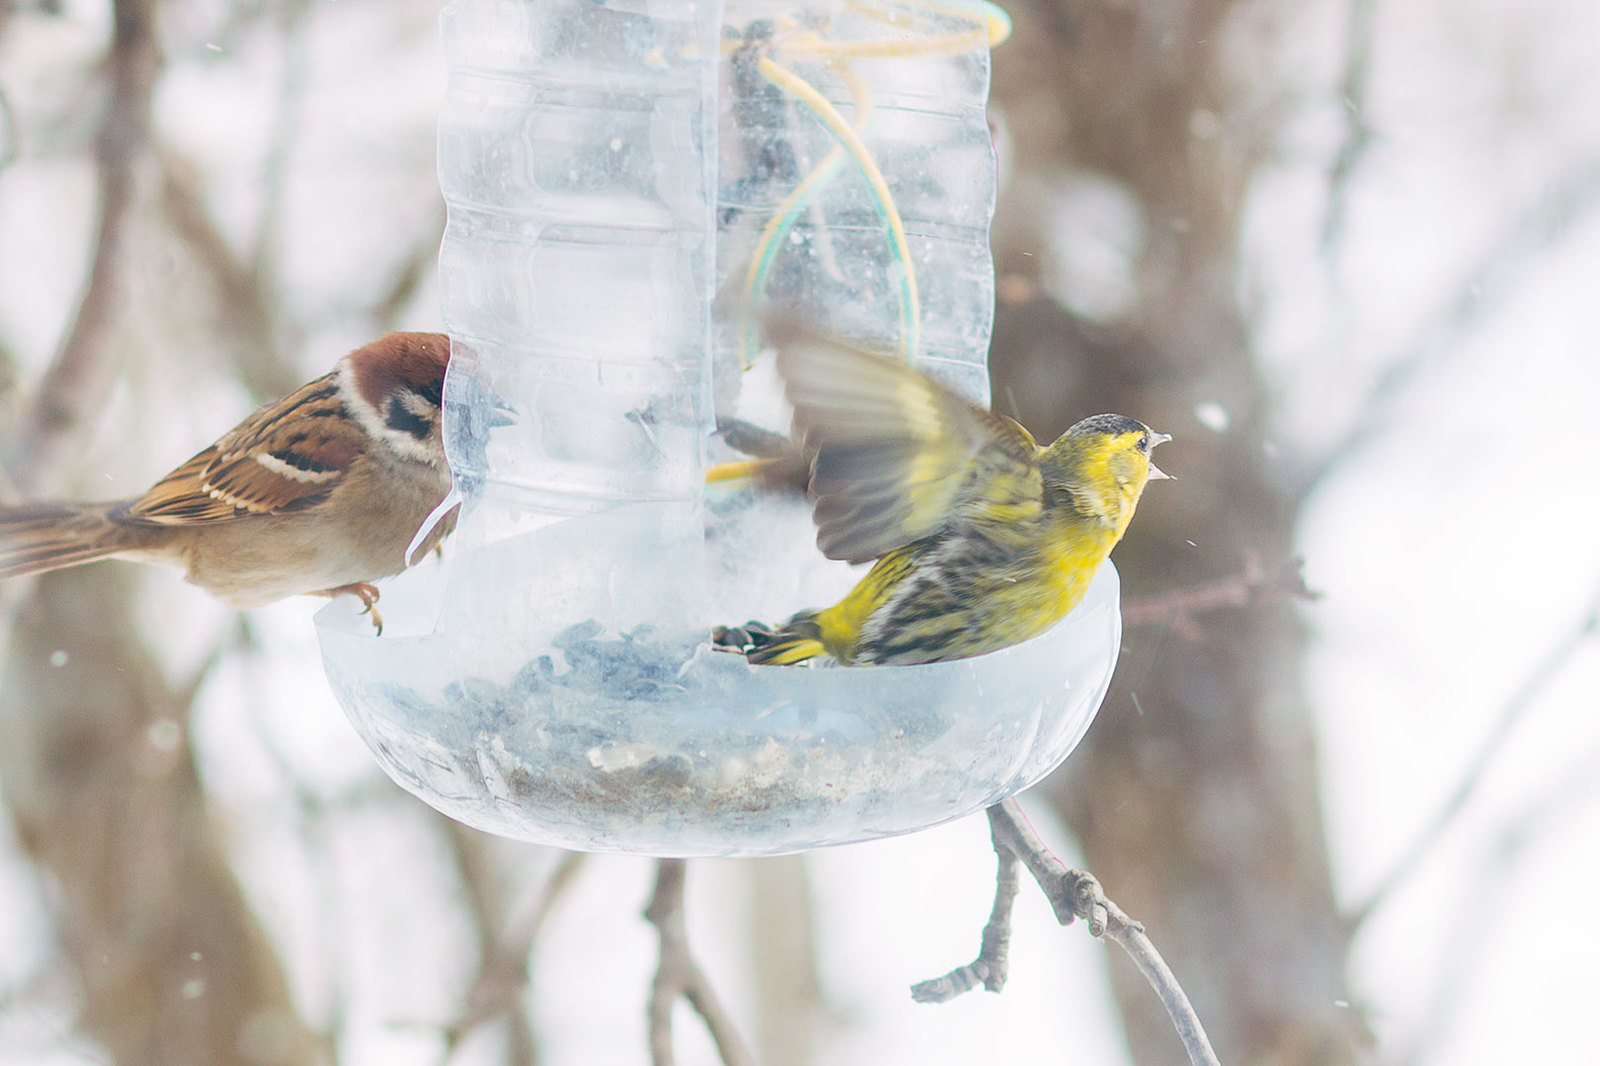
(367, 594)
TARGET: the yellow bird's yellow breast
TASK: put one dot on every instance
(1072, 553)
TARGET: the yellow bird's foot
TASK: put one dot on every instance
(741, 639)
(763, 645)
(366, 593)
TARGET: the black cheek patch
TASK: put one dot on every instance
(400, 419)
(431, 391)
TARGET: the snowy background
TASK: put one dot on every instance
(1439, 344)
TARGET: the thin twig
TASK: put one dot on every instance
(505, 943)
(677, 975)
(1075, 894)
(245, 319)
(311, 826)
(1178, 608)
(1358, 135)
(79, 379)
(287, 125)
(991, 966)
(413, 270)
(1468, 941)
(8, 132)
(1526, 696)
(128, 815)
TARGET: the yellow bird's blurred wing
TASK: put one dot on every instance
(896, 456)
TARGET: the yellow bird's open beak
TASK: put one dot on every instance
(1156, 473)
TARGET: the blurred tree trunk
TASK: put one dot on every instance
(171, 966)
(96, 770)
(782, 945)
(1195, 794)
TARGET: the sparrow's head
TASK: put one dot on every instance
(395, 387)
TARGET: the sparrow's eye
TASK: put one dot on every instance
(1144, 443)
(409, 413)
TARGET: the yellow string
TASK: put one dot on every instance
(993, 26)
(735, 471)
(760, 259)
(996, 23)
(789, 82)
(994, 29)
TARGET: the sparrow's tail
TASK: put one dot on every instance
(35, 537)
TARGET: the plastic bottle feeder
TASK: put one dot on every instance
(626, 181)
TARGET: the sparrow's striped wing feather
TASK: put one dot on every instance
(895, 455)
(285, 457)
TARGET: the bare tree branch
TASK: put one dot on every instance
(1182, 132)
(1177, 609)
(1468, 947)
(43, 7)
(10, 401)
(506, 936)
(677, 975)
(287, 123)
(1523, 700)
(98, 777)
(409, 277)
(1073, 894)
(95, 765)
(1484, 289)
(8, 131)
(992, 965)
(1358, 135)
(311, 826)
(244, 316)
(78, 380)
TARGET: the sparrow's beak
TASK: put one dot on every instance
(1156, 473)
(489, 409)
(501, 415)
(496, 411)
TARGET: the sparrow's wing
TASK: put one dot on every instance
(895, 455)
(285, 457)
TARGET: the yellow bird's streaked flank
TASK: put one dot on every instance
(982, 539)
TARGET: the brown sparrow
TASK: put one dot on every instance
(319, 493)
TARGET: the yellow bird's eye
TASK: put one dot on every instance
(1144, 443)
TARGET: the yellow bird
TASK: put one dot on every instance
(982, 538)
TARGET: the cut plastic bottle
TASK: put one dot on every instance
(629, 185)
